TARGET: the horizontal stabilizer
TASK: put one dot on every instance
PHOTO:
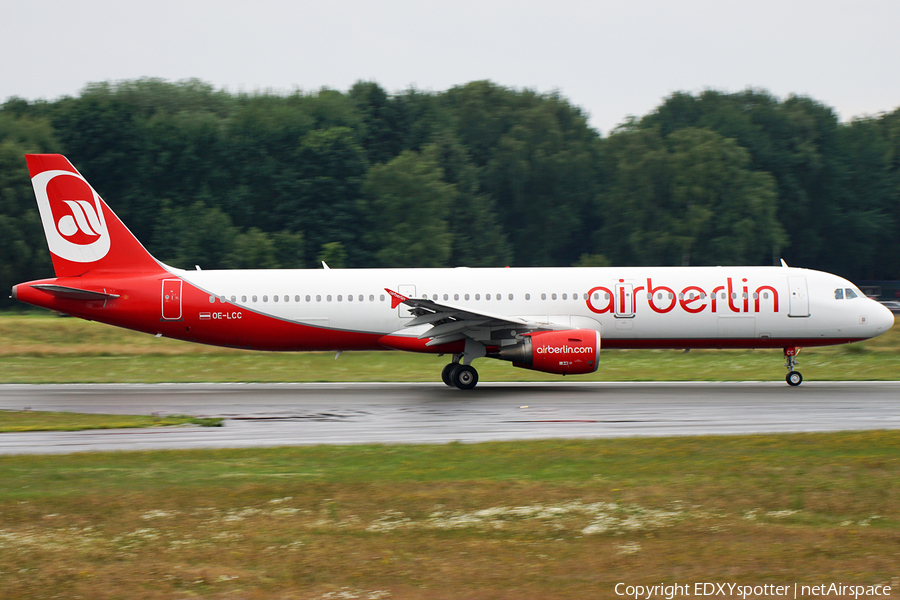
(61, 291)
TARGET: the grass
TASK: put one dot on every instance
(41, 348)
(551, 519)
(27, 420)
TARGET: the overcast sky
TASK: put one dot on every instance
(612, 59)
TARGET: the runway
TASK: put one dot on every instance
(260, 415)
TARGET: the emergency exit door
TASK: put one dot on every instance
(623, 301)
(171, 299)
(799, 299)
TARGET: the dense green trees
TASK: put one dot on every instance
(688, 198)
(478, 175)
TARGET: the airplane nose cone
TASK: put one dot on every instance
(884, 319)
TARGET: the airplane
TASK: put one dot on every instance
(545, 319)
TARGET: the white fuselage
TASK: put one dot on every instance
(631, 307)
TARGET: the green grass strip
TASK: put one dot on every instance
(26, 420)
(42, 348)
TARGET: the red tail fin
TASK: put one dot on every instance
(82, 232)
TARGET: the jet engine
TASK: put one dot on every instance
(573, 352)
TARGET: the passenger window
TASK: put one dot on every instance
(565, 296)
(307, 298)
(543, 296)
(328, 297)
(254, 298)
(478, 296)
(233, 298)
(382, 297)
(340, 298)
(361, 298)
(349, 298)
(371, 297)
(553, 296)
(574, 296)
(850, 294)
(528, 296)
(510, 296)
(243, 298)
(275, 298)
(487, 296)
(467, 296)
(446, 297)
(318, 298)
(297, 298)
(456, 296)
(265, 298)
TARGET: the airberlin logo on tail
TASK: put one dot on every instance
(72, 216)
(83, 218)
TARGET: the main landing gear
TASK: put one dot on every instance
(794, 378)
(457, 375)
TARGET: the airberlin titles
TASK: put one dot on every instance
(693, 299)
(564, 350)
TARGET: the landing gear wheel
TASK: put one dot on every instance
(794, 378)
(447, 374)
(465, 377)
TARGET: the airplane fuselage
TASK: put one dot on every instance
(349, 309)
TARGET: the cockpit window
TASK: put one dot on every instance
(850, 294)
(839, 294)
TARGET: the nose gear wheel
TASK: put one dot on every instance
(793, 378)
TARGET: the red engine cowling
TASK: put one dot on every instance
(572, 352)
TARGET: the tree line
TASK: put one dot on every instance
(478, 175)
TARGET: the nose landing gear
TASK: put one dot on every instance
(793, 378)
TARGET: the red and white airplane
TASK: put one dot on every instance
(546, 319)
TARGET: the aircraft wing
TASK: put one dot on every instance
(451, 323)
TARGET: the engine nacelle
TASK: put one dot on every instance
(572, 352)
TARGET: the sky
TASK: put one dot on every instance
(611, 59)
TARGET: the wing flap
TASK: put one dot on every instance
(451, 327)
(446, 339)
(429, 318)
